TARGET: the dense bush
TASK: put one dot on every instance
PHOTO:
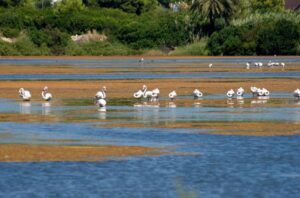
(155, 30)
(133, 26)
(10, 32)
(279, 37)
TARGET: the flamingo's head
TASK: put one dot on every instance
(45, 88)
(21, 90)
(104, 88)
(144, 87)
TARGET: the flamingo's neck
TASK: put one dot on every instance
(43, 94)
(104, 94)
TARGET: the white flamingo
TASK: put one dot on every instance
(282, 64)
(147, 94)
(141, 60)
(24, 94)
(46, 95)
(240, 92)
(247, 65)
(230, 93)
(297, 94)
(155, 94)
(270, 63)
(101, 94)
(197, 94)
(254, 91)
(172, 95)
(210, 65)
(140, 93)
(262, 92)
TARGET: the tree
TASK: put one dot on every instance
(214, 9)
(69, 6)
(267, 5)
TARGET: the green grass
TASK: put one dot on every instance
(194, 49)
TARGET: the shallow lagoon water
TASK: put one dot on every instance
(200, 162)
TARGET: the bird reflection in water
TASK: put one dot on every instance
(25, 107)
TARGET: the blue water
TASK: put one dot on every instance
(148, 76)
(198, 161)
(207, 165)
(134, 61)
(228, 166)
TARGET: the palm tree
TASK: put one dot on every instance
(213, 9)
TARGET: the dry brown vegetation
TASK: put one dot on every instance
(34, 153)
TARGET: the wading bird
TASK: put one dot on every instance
(240, 92)
(230, 93)
(172, 95)
(24, 94)
(197, 94)
(101, 94)
(140, 93)
(46, 95)
(297, 94)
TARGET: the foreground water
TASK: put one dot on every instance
(205, 164)
(216, 147)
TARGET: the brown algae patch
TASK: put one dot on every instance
(40, 153)
(224, 128)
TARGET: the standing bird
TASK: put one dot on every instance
(46, 95)
(141, 60)
(282, 64)
(230, 93)
(247, 65)
(24, 94)
(197, 94)
(155, 94)
(240, 92)
(210, 65)
(254, 91)
(140, 93)
(172, 95)
(101, 94)
(297, 94)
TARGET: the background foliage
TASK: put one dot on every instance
(245, 27)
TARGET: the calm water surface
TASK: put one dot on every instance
(201, 163)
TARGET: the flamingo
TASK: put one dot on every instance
(263, 92)
(155, 94)
(230, 93)
(282, 64)
(210, 65)
(46, 95)
(147, 94)
(101, 94)
(140, 93)
(197, 94)
(141, 60)
(297, 94)
(254, 91)
(240, 92)
(172, 95)
(247, 65)
(270, 63)
(24, 94)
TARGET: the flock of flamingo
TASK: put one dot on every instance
(153, 95)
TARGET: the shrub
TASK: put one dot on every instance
(10, 32)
